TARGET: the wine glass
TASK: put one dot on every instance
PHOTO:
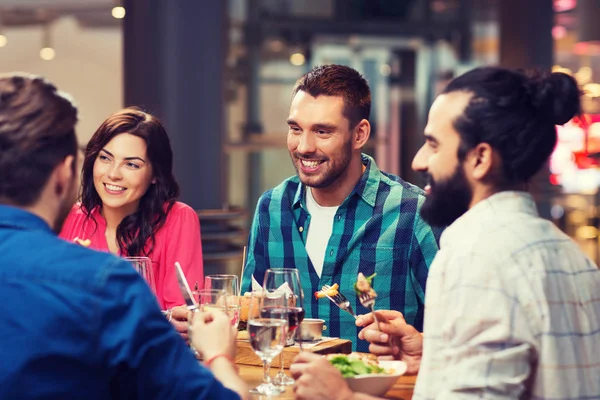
(143, 265)
(230, 286)
(287, 282)
(267, 337)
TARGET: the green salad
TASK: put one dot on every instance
(350, 367)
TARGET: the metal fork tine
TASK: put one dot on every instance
(369, 302)
(339, 300)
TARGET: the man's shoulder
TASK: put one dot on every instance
(403, 188)
(56, 259)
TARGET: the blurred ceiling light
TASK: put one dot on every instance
(564, 5)
(577, 217)
(276, 45)
(592, 89)
(385, 70)
(558, 68)
(118, 12)
(584, 75)
(586, 232)
(557, 211)
(3, 38)
(47, 52)
(438, 6)
(559, 32)
(587, 48)
(576, 202)
(297, 59)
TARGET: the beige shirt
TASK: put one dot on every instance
(512, 309)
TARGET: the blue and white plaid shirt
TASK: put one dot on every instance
(376, 229)
(512, 309)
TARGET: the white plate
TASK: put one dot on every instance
(378, 384)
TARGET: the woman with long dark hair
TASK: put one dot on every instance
(128, 205)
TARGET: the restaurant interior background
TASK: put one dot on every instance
(219, 73)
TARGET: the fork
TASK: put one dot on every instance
(368, 301)
(339, 300)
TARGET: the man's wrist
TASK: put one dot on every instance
(413, 365)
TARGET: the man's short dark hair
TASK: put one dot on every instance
(342, 81)
(37, 132)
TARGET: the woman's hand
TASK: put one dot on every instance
(180, 316)
(212, 334)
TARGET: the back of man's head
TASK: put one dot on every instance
(37, 132)
(516, 113)
(342, 81)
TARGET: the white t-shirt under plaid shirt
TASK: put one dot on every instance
(512, 309)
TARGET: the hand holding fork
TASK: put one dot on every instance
(368, 301)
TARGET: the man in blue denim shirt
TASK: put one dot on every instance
(75, 323)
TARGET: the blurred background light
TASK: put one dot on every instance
(118, 12)
(297, 59)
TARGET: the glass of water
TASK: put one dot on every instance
(267, 337)
(229, 284)
(143, 265)
(210, 300)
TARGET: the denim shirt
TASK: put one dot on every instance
(75, 323)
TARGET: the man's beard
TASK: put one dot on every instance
(448, 199)
(336, 171)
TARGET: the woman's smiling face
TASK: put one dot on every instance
(122, 172)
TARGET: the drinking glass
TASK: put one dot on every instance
(267, 337)
(286, 282)
(210, 300)
(230, 286)
(143, 265)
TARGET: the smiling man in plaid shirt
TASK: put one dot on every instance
(341, 215)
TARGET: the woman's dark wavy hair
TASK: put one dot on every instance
(516, 113)
(135, 229)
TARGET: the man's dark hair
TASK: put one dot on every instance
(516, 113)
(342, 81)
(37, 132)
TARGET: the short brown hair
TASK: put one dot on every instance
(342, 81)
(37, 132)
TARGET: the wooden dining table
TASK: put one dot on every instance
(252, 375)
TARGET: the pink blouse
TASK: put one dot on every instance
(177, 240)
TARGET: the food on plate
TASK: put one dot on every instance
(82, 242)
(354, 364)
(363, 285)
(332, 291)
